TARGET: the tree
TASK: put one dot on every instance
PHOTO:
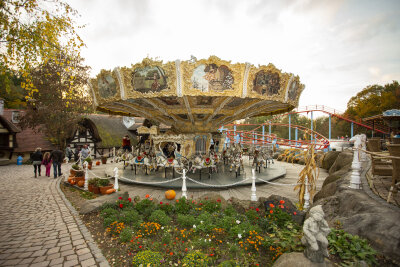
(33, 32)
(11, 91)
(373, 100)
(60, 99)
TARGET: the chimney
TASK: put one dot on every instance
(1, 106)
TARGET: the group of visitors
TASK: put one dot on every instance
(54, 158)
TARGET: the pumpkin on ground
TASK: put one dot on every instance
(81, 183)
(170, 194)
(110, 191)
(97, 163)
(73, 181)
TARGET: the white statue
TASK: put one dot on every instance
(315, 230)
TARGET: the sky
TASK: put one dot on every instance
(336, 47)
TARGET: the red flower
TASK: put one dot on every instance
(251, 208)
(211, 255)
(171, 253)
(186, 249)
(140, 246)
(121, 206)
(147, 196)
(200, 204)
(161, 203)
(177, 200)
(120, 198)
(130, 199)
(257, 209)
(165, 244)
(167, 204)
(271, 211)
(294, 213)
(282, 201)
(218, 200)
(271, 205)
(281, 206)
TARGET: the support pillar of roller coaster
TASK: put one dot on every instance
(312, 125)
(263, 133)
(296, 135)
(352, 130)
(330, 131)
(290, 137)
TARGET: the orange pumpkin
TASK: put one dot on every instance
(170, 194)
(110, 191)
(73, 181)
(81, 183)
(97, 163)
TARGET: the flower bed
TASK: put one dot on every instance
(201, 233)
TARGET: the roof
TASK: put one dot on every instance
(108, 129)
(27, 139)
(11, 127)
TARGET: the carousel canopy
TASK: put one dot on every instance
(197, 95)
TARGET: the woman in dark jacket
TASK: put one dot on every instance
(36, 159)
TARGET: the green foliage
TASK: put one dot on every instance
(350, 248)
(75, 167)
(108, 211)
(186, 221)
(107, 221)
(87, 195)
(211, 206)
(196, 258)
(230, 210)
(183, 206)
(160, 217)
(103, 182)
(131, 217)
(147, 258)
(126, 235)
(145, 207)
(228, 264)
(94, 181)
(167, 208)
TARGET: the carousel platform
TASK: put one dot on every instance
(222, 179)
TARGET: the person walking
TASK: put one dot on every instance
(126, 144)
(47, 163)
(85, 152)
(36, 159)
(68, 152)
(57, 157)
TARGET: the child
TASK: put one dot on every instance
(47, 162)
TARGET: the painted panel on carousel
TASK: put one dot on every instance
(106, 85)
(211, 77)
(149, 79)
(293, 90)
(266, 83)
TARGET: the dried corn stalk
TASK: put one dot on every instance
(311, 171)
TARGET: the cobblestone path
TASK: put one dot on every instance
(38, 227)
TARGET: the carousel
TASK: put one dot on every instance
(195, 98)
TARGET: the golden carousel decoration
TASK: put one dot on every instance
(195, 97)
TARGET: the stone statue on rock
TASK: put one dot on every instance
(315, 230)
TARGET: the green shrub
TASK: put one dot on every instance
(103, 182)
(106, 205)
(167, 208)
(107, 212)
(226, 222)
(211, 206)
(196, 258)
(205, 222)
(147, 258)
(126, 235)
(230, 263)
(230, 211)
(131, 217)
(186, 221)
(183, 206)
(145, 207)
(252, 215)
(109, 220)
(350, 248)
(160, 217)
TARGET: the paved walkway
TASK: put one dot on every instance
(38, 227)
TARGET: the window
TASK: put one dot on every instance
(15, 116)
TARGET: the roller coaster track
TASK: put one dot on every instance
(338, 114)
(254, 137)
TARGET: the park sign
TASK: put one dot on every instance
(195, 96)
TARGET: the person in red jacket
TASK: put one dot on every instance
(126, 143)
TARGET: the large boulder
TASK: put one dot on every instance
(331, 178)
(362, 215)
(343, 161)
(326, 191)
(95, 204)
(329, 158)
(299, 260)
(319, 156)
